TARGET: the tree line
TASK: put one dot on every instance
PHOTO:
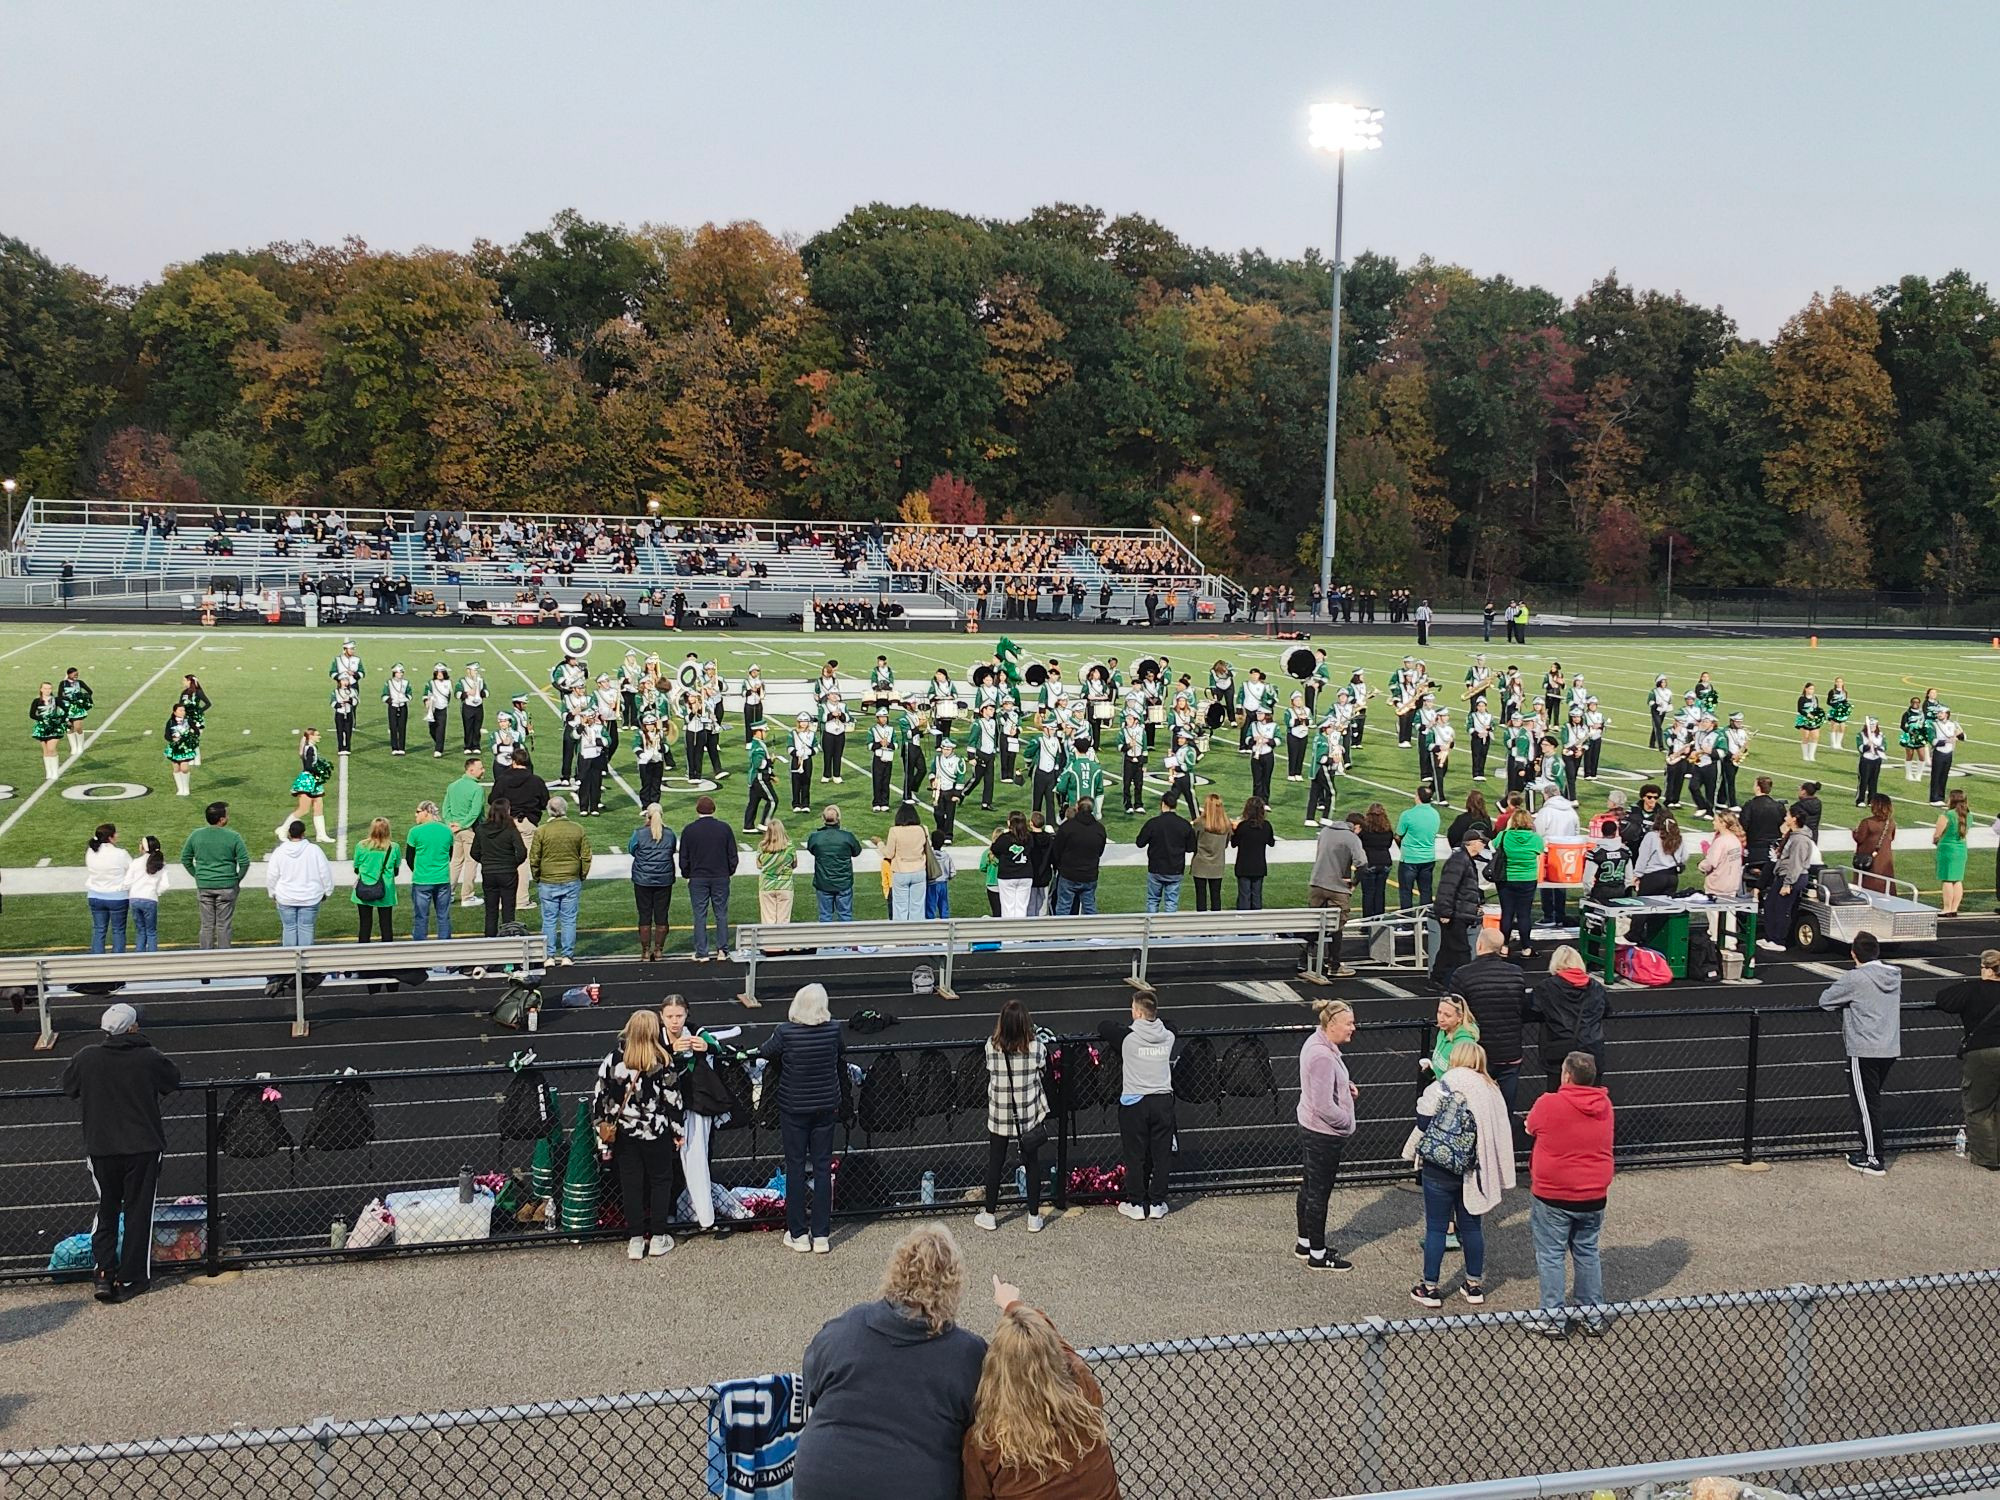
(1064, 368)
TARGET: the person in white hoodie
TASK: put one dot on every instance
(1869, 997)
(1556, 819)
(298, 878)
(1145, 1106)
(1464, 1196)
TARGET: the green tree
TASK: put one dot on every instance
(564, 283)
(63, 362)
(190, 327)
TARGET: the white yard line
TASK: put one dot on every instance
(112, 718)
(340, 813)
(32, 644)
(542, 694)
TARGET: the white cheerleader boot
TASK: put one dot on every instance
(319, 828)
(51, 767)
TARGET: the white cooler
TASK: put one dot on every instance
(429, 1216)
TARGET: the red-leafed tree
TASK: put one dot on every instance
(954, 502)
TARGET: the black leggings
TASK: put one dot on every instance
(500, 893)
(386, 915)
(1322, 1162)
(996, 1158)
(649, 1173)
(1207, 893)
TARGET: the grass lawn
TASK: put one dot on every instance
(268, 684)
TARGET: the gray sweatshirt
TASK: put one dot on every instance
(1148, 1054)
(1869, 998)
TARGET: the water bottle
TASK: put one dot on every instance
(465, 1184)
(928, 1191)
(1020, 1182)
(337, 1236)
(1958, 1142)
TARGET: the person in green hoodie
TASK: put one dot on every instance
(217, 859)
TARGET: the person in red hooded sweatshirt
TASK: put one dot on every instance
(1570, 1169)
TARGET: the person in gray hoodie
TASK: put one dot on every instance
(1145, 1105)
(1326, 1120)
(1869, 998)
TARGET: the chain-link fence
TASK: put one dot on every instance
(1307, 1412)
(277, 1168)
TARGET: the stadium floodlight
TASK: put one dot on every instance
(1195, 516)
(1339, 128)
(7, 534)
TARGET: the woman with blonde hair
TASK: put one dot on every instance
(636, 1109)
(1455, 1024)
(1722, 858)
(1038, 1419)
(775, 863)
(1326, 1121)
(890, 1384)
(375, 860)
(1211, 853)
(1458, 1186)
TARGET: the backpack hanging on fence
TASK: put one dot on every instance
(1645, 966)
(342, 1117)
(1197, 1078)
(527, 1104)
(1246, 1071)
(252, 1127)
(931, 1091)
(885, 1102)
(861, 1182)
(968, 1082)
(734, 1077)
(1451, 1140)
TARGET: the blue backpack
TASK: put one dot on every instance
(1451, 1141)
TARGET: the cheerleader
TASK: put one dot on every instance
(1945, 735)
(763, 780)
(593, 745)
(48, 721)
(1443, 737)
(345, 700)
(631, 672)
(1553, 686)
(396, 695)
(195, 699)
(472, 707)
(1263, 754)
(1914, 734)
(1479, 734)
(437, 706)
(881, 760)
(76, 701)
(604, 699)
(650, 751)
(1872, 748)
(947, 784)
(182, 737)
(1659, 703)
(1298, 736)
(1329, 760)
(1838, 709)
(309, 786)
(834, 725)
(804, 746)
(753, 705)
(1179, 766)
(1808, 720)
(1706, 694)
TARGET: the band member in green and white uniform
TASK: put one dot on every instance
(1554, 685)
(1478, 678)
(76, 701)
(1048, 753)
(1479, 734)
(1009, 720)
(48, 722)
(593, 758)
(1358, 690)
(1083, 778)
(504, 741)
(1442, 738)
(983, 747)
(437, 707)
(1520, 754)
(1660, 704)
(569, 674)
(753, 701)
(881, 683)
(1808, 720)
(1320, 681)
(309, 787)
(763, 780)
(804, 745)
(1595, 722)
(397, 694)
(1729, 753)
(1329, 759)
(881, 759)
(1575, 746)
(947, 786)
(1179, 766)
(573, 703)
(1945, 735)
(604, 698)
(631, 672)
(1406, 693)
(834, 726)
(182, 740)
(649, 752)
(826, 684)
(1298, 735)
(1839, 708)
(911, 730)
(703, 735)
(1098, 704)
(345, 701)
(472, 708)
(1221, 695)
(943, 703)
(1254, 697)
(1871, 748)
(524, 727)
(1263, 753)
(347, 664)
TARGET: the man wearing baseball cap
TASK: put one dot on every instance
(1457, 902)
(118, 1082)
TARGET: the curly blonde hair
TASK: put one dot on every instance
(926, 1275)
(1030, 1412)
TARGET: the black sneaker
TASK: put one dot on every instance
(104, 1286)
(1426, 1295)
(1329, 1261)
(1301, 1250)
(1872, 1167)
(1596, 1325)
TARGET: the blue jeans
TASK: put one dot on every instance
(906, 896)
(1075, 897)
(1163, 892)
(295, 925)
(426, 899)
(1566, 1231)
(108, 912)
(146, 926)
(706, 894)
(1413, 880)
(808, 1139)
(1444, 1200)
(937, 899)
(834, 906)
(558, 916)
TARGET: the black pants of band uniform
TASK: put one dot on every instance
(343, 732)
(125, 1185)
(879, 771)
(762, 793)
(437, 725)
(649, 1174)
(1322, 1162)
(472, 720)
(1868, 779)
(802, 780)
(399, 727)
(996, 1160)
(590, 772)
(1940, 776)
(500, 891)
(1146, 1134)
(1866, 1078)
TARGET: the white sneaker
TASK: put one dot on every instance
(1770, 947)
(822, 1245)
(659, 1244)
(635, 1248)
(1157, 1211)
(799, 1243)
(1035, 1222)
(985, 1221)
(473, 901)
(1132, 1210)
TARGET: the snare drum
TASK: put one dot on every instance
(1101, 712)
(1156, 713)
(946, 709)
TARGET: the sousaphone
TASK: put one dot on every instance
(1299, 663)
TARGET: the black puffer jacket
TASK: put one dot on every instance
(1571, 1006)
(1497, 991)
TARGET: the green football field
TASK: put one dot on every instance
(267, 684)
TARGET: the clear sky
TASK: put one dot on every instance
(1745, 153)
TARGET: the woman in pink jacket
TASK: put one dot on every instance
(1326, 1120)
(1722, 860)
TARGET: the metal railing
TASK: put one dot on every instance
(1872, 1387)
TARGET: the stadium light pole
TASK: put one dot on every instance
(1339, 128)
(1195, 516)
(7, 536)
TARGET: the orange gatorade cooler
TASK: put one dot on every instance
(1563, 861)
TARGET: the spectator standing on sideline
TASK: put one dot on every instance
(1253, 839)
(118, 1082)
(464, 806)
(502, 856)
(1077, 854)
(890, 1384)
(297, 878)
(1013, 855)
(105, 867)
(1976, 1003)
(145, 883)
(1556, 819)
(559, 858)
(1466, 1197)
(1417, 832)
(1145, 1107)
(375, 861)
(1337, 854)
(1378, 838)
(708, 860)
(1016, 1106)
(216, 859)
(810, 1057)
(1787, 882)
(1517, 853)
(1038, 1428)
(776, 864)
(1869, 998)
(1041, 884)
(1571, 1004)
(527, 797)
(1763, 818)
(834, 851)
(428, 848)
(1496, 991)
(1326, 1120)
(907, 850)
(1211, 854)
(1570, 1176)
(1168, 839)
(636, 1108)
(652, 849)
(1458, 904)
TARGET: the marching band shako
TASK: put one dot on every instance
(574, 641)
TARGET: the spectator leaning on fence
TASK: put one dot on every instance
(834, 851)
(1145, 1106)
(119, 1083)
(1976, 1003)
(1570, 1171)
(1016, 1107)
(1038, 1428)
(1338, 855)
(890, 1384)
(1571, 1004)
(217, 859)
(809, 1055)
(1869, 998)
(636, 1110)
(1326, 1121)
(1497, 992)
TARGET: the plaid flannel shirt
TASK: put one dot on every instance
(1015, 1098)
